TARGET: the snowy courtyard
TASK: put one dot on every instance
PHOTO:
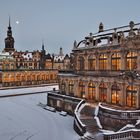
(22, 119)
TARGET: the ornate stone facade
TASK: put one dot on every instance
(98, 63)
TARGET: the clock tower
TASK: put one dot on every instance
(9, 40)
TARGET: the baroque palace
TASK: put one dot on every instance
(104, 76)
(29, 68)
(106, 67)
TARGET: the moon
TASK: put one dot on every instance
(17, 22)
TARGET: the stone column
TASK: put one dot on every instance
(123, 61)
(67, 87)
(97, 61)
(76, 88)
(108, 92)
(138, 97)
(108, 61)
(86, 90)
(86, 62)
(138, 61)
(123, 96)
(97, 91)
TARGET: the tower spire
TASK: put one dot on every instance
(43, 45)
(9, 22)
(9, 40)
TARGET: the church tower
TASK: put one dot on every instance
(43, 57)
(9, 40)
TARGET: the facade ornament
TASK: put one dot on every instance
(138, 31)
(101, 27)
(115, 37)
(75, 44)
(122, 39)
(131, 32)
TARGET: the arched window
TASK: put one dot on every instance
(91, 63)
(18, 77)
(28, 78)
(102, 92)
(33, 77)
(103, 62)
(116, 61)
(12, 78)
(82, 89)
(38, 77)
(91, 91)
(7, 66)
(71, 88)
(115, 94)
(51, 77)
(131, 96)
(131, 60)
(43, 77)
(23, 78)
(63, 87)
(12, 66)
(81, 63)
(6, 78)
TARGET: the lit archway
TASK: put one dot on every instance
(115, 94)
(71, 88)
(131, 96)
(103, 92)
(116, 61)
(82, 89)
(131, 61)
(91, 91)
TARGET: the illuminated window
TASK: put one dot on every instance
(33, 77)
(116, 61)
(18, 77)
(43, 77)
(51, 77)
(131, 96)
(28, 78)
(82, 89)
(38, 77)
(91, 63)
(131, 60)
(81, 63)
(115, 93)
(102, 92)
(91, 91)
(12, 78)
(63, 87)
(6, 78)
(71, 88)
(103, 62)
(23, 78)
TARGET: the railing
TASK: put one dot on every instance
(104, 73)
(132, 134)
(79, 127)
(120, 114)
(11, 70)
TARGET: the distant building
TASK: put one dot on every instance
(61, 61)
(29, 68)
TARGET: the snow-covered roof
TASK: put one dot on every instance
(59, 58)
(27, 55)
(5, 55)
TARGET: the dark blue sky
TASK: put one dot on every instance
(60, 22)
